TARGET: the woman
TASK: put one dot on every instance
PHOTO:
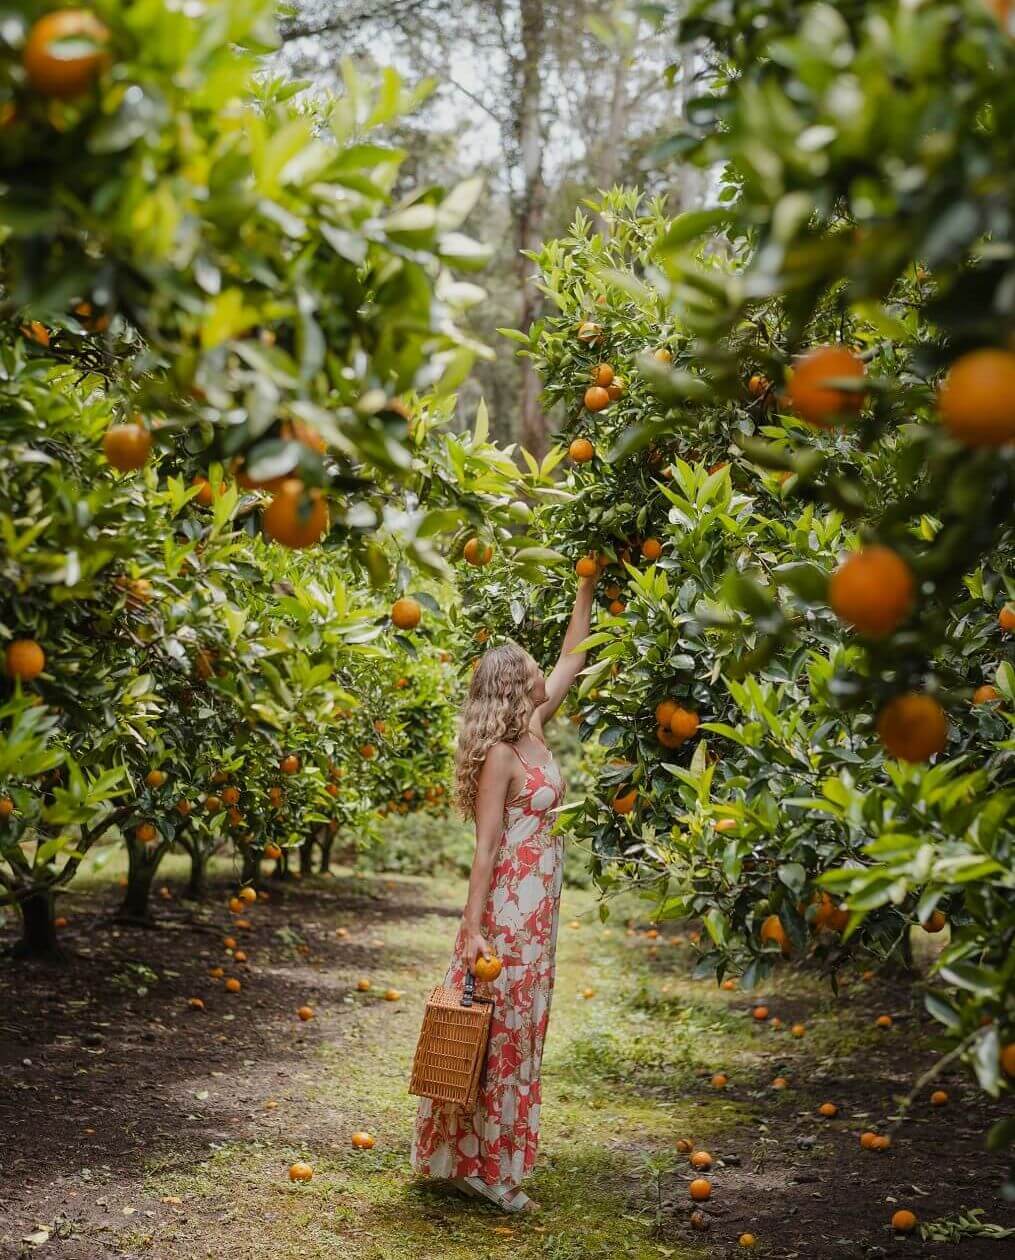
(508, 782)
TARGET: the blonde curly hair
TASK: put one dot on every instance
(497, 709)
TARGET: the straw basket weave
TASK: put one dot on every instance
(452, 1045)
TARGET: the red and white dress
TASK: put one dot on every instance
(497, 1142)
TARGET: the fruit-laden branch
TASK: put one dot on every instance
(19, 891)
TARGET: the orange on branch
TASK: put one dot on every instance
(652, 549)
(296, 517)
(977, 398)
(684, 723)
(1006, 618)
(65, 52)
(986, 694)
(406, 613)
(602, 374)
(913, 727)
(581, 451)
(24, 659)
(477, 553)
(811, 394)
(127, 446)
(587, 567)
(872, 590)
(623, 803)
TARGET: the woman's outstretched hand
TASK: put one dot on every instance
(475, 945)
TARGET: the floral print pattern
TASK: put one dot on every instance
(498, 1141)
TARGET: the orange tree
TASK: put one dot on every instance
(745, 761)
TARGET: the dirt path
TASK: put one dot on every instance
(133, 1126)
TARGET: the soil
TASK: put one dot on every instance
(108, 1074)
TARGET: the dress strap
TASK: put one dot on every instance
(514, 749)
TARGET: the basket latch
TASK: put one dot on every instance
(470, 989)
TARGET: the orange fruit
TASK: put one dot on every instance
(986, 694)
(477, 553)
(720, 1080)
(213, 803)
(156, 778)
(127, 446)
(231, 795)
(305, 1013)
(1008, 1059)
(602, 374)
(810, 394)
(757, 385)
(873, 591)
(196, 1004)
(392, 995)
(684, 723)
(239, 956)
(883, 1021)
(728, 985)
(65, 53)
(701, 1189)
(581, 451)
(301, 1172)
(651, 549)
(589, 332)
(487, 968)
(977, 398)
(205, 496)
(662, 355)
(699, 1220)
(939, 1098)
(37, 332)
(936, 922)
(145, 833)
(904, 1221)
(233, 985)
(272, 852)
(828, 1110)
(867, 1140)
(24, 659)
(616, 388)
(596, 398)
(624, 802)
(235, 905)
(798, 1030)
(248, 894)
(368, 752)
(362, 1141)
(775, 1022)
(913, 727)
(296, 517)
(881, 1143)
(183, 808)
(701, 1161)
(6, 807)
(229, 942)
(747, 1241)
(1006, 618)
(780, 1082)
(726, 824)
(665, 710)
(760, 1012)
(363, 985)
(772, 930)
(587, 567)
(289, 764)
(685, 1146)
(406, 613)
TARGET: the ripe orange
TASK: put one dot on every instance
(581, 451)
(780, 1082)
(477, 553)
(760, 1012)
(775, 1022)
(229, 942)
(939, 1098)
(602, 374)
(798, 1030)
(1008, 1059)
(231, 795)
(828, 1110)
(213, 803)
(596, 398)
(617, 607)
(662, 355)
(904, 1221)
(586, 567)
(183, 808)
(156, 778)
(685, 1146)
(616, 388)
(913, 727)
(720, 1080)
(867, 1140)
(701, 1189)
(239, 956)
(757, 385)
(881, 1143)
(624, 802)
(362, 1141)
(936, 922)
(872, 590)
(205, 496)
(127, 446)
(883, 1021)
(986, 694)
(665, 710)
(683, 723)
(1006, 618)
(363, 985)
(6, 807)
(368, 752)
(296, 517)
(235, 905)
(651, 549)
(248, 894)
(289, 764)
(701, 1161)
(301, 1172)
(72, 69)
(590, 332)
(37, 332)
(233, 985)
(487, 969)
(145, 833)
(726, 824)
(728, 986)
(699, 1220)
(196, 1004)
(829, 915)
(305, 1013)
(24, 659)
(810, 395)
(392, 995)
(772, 930)
(977, 398)
(747, 1241)
(406, 613)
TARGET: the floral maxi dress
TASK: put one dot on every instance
(497, 1142)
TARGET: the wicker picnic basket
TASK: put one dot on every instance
(452, 1045)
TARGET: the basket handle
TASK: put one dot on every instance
(470, 989)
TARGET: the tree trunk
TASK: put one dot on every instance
(38, 931)
(197, 885)
(141, 871)
(531, 204)
(250, 870)
(327, 844)
(307, 855)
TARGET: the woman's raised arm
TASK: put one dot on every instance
(569, 663)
